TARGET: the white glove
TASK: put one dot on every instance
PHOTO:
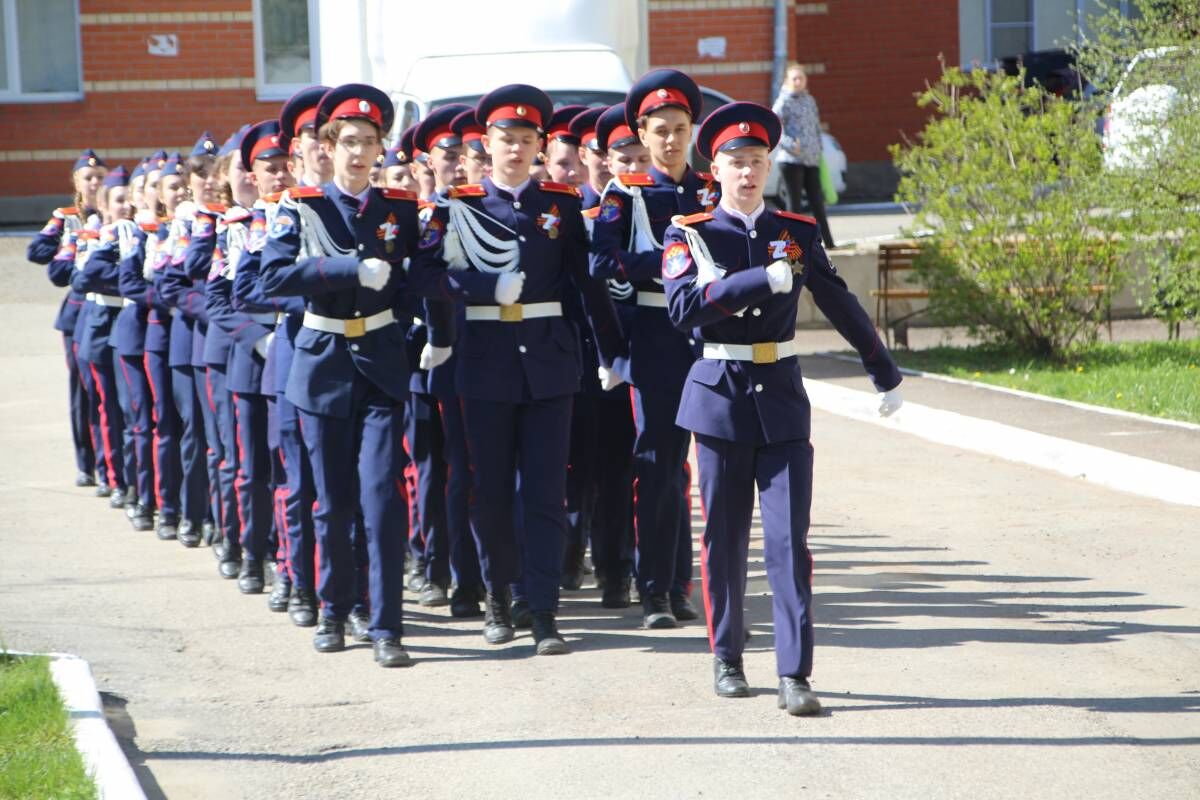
(779, 275)
(890, 402)
(58, 214)
(262, 345)
(373, 273)
(508, 287)
(434, 356)
(147, 270)
(609, 379)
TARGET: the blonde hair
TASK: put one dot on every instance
(794, 66)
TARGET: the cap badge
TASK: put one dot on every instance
(274, 140)
(663, 94)
(208, 144)
(522, 111)
(744, 127)
(364, 106)
(91, 161)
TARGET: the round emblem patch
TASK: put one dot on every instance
(676, 260)
(364, 106)
(610, 208)
(432, 234)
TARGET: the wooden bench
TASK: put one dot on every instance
(897, 257)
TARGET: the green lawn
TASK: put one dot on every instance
(1161, 379)
(38, 758)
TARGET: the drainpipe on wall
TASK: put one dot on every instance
(781, 47)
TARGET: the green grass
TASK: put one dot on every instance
(1161, 379)
(38, 758)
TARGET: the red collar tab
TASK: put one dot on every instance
(398, 194)
(790, 215)
(663, 97)
(692, 219)
(561, 188)
(467, 190)
(298, 192)
(637, 179)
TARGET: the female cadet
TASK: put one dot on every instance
(513, 246)
(729, 279)
(626, 244)
(341, 247)
(57, 239)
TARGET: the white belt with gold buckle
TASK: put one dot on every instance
(514, 313)
(757, 353)
(350, 328)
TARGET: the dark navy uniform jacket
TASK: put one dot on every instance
(535, 358)
(383, 226)
(738, 400)
(207, 228)
(659, 357)
(100, 275)
(55, 246)
(158, 328)
(179, 290)
(241, 330)
(133, 321)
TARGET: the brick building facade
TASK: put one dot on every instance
(126, 77)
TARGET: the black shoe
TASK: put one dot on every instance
(230, 567)
(434, 594)
(250, 576)
(103, 489)
(83, 479)
(390, 653)
(168, 528)
(360, 625)
(189, 534)
(521, 615)
(116, 500)
(302, 608)
(729, 680)
(464, 603)
(546, 636)
(218, 549)
(798, 697)
(656, 612)
(131, 503)
(572, 570)
(210, 533)
(330, 636)
(143, 518)
(497, 620)
(281, 592)
(682, 608)
(615, 594)
(416, 578)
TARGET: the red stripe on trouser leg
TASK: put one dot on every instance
(240, 481)
(708, 617)
(108, 456)
(157, 422)
(634, 498)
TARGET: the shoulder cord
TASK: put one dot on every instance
(236, 235)
(617, 289)
(641, 235)
(126, 238)
(707, 269)
(315, 241)
(469, 243)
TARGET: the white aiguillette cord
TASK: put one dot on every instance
(706, 268)
(315, 241)
(468, 241)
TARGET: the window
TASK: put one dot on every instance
(39, 51)
(1010, 28)
(285, 47)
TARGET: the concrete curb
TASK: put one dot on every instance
(102, 756)
(1097, 465)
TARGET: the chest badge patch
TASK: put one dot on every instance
(258, 234)
(202, 228)
(432, 234)
(548, 223)
(706, 196)
(785, 249)
(282, 226)
(387, 231)
(676, 260)
(610, 208)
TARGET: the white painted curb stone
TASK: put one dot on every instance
(1097, 465)
(102, 756)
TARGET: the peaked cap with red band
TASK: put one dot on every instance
(583, 127)
(613, 131)
(357, 101)
(405, 144)
(437, 129)
(515, 105)
(300, 112)
(660, 88)
(560, 125)
(263, 140)
(88, 158)
(738, 125)
(467, 129)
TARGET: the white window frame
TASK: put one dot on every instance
(12, 55)
(989, 26)
(283, 91)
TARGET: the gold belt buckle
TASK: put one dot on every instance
(356, 328)
(765, 352)
(513, 313)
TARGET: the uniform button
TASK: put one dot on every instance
(758, 387)
(691, 341)
(517, 204)
(521, 348)
(354, 347)
(757, 312)
(359, 313)
(753, 234)
(358, 216)
(679, 189)
(362, 247)
(520, 238)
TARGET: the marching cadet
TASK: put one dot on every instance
(627, 245)
(733, 277)
(430, 542)
(593, 158)
(341, 246)
(508, 247)
(165, 189)
(418, 163)
(562, 148)
(58, 236)
(477, 164)
(297, 120)
(396, 172)
(96, 278)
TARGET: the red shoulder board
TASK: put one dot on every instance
(149, 227)
(561, 188)
(467, 190)
(705, 176)
(298, 192)
(790, 215)
(274, 198)
(637, 179)
(237, 214)
(88, 234)
(424, 204)
(68, 211)
(692, 219)
(215, 208)
(592, 213)
(399, 194)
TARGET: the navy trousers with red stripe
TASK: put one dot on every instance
(111, 422)
(168, 472)
(95, 434)
(660, 492)
(729, 472)
(297, 497)
(220, 432)
(464, 556)
(194, 503)
(139, 424)
(253, 475)
(357, 463)
(81, 435)
(426, 444)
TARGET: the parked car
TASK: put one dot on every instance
(1133, 128)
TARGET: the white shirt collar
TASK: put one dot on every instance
(359, 197)
(749, 220)
(515, 191)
